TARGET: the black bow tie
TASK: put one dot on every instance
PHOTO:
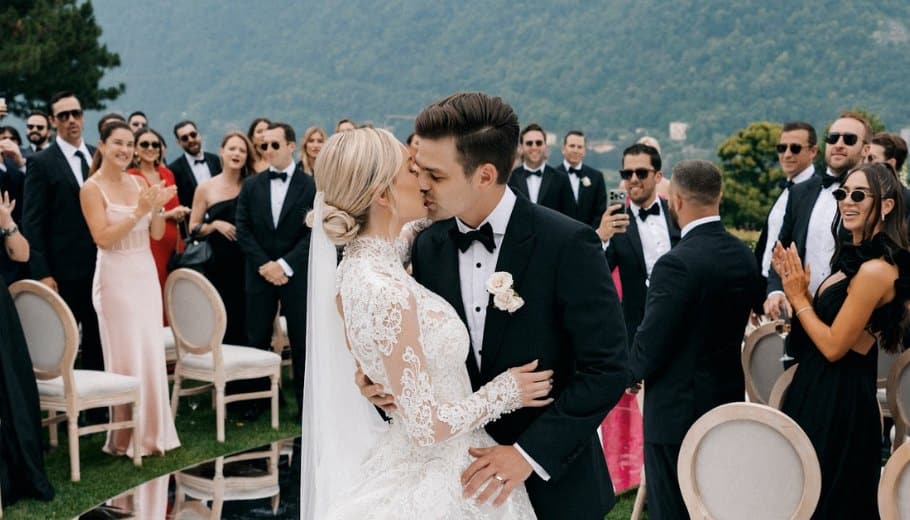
(283, 176)
(576, 171)
(538, 173)
(828, 180)
(653, 210)
(484, 235)
(785, 184)
(198, 161)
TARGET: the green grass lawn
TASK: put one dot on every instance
(104, 476)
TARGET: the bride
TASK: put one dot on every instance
(402, 336)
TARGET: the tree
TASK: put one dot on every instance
(748, 160)
(49, 46)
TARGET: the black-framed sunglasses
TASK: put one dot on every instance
(795, 148)
(849, 139)
(146, 144)
(855, 195)
(65, 116)
(534, 143)
(641, 173)
(265, 146)
(189, 135)
(35, 127)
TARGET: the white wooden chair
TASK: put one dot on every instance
(779, 390)
(894, 486)
(761, 360)
(170, 350)
(52, 336)
(898, 392)
(221, 486)
(777, 477)
(198, 319)
(280, 340)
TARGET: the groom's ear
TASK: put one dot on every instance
(485, 174)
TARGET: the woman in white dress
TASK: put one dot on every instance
(404, 337)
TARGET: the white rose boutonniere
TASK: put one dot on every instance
(586, 182)
(504, 296)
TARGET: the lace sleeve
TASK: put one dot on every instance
(402, 370)
(407, 236)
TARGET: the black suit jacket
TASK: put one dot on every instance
(259, 238)
(555, 190)
(626, 252)
(687, 349)
(13, 181)
(572, 322)
(592, 200)
(52, 220)
(184, 178)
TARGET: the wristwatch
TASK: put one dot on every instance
(8, 232)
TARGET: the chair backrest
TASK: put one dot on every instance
(894, 486)
(761, 361)
(898, 392)
(779, 390)
(195, 312)
(886, 360)
(50, 329)
(777, 477)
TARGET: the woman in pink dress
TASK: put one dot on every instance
(121, 213)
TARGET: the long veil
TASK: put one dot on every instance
(340, 427)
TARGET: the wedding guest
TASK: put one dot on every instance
(194, 166)
(588, 188)
(22, 472)
(860, 307)
(344, 124)
(536, 180)
(663, 187)
(214, 209)
(148, 166)
(888, 148)
(137, 121)
(412, 142)
(254, 134)
(107, 118)
(38, 133)
(122, 212)
(310, 145)
(12, 167)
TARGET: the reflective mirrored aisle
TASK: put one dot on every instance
(260, 483)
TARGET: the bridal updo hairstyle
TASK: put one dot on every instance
(352, 170)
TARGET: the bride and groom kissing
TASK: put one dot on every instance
(496, 361)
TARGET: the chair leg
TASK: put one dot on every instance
(219, 417)
(52, 428)
(137, 434)
(72, 430)
(640, 497)
(276, 500)
(275, 378)
(175, 395)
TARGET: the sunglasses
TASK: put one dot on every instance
(849, 139)
(855, 195)
(794, 148)
(65, 116)
(641, 173)
(534, 143)
(189, 135)
(265, 146)
(35, 127)
(153, 144)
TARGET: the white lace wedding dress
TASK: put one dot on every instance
(413, 343)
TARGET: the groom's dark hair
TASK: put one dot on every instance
(485, 129)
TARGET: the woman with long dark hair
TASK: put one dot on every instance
(254, 134)
(859, 308)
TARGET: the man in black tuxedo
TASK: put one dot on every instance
(535, 180)
(687, 349)
(38, 133)
(62, 249)
(570, 320)
(271, 209)
(588, 189)
(194, 166)
(636, 237)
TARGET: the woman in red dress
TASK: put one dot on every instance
(147, 164)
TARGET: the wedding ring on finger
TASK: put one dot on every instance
(500, 479)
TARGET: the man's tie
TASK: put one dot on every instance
(785, 184)
(653, 210)
(484, 235)
(83, 164)
(199, 161)
(576, 171)
(283, 176)
(828, 180)
(538, 173)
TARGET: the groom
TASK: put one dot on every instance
(570, 318)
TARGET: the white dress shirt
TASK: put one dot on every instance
(655, 236)
(200, 170)
(776, 218)
(573, 178)
(534, 181)
(474, 268)
(697, 222)
(69, 151)
(278, 190)
(820, 242)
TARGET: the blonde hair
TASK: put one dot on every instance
(308, 164)
(352, 170)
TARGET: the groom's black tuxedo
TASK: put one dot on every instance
(572, 322)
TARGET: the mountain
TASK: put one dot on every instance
(615, 69)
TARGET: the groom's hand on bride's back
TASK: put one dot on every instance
(374, 392)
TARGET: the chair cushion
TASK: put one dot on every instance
(89, 383)
(235, 357)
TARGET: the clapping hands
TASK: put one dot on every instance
(6, 209)
(155, 196)
(789, 267)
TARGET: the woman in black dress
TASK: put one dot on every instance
(859, 308)
(214, 206)
(21, 450)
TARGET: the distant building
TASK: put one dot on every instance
(678, 130)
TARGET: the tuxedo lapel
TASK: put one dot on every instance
(521, 183)
(63, 166)
(295, 191)
(635, 239)
(517, 245)
(545, 182)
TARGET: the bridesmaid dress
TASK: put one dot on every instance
(127, 297)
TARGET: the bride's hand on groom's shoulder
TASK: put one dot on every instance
(374, 392)
(534, 387)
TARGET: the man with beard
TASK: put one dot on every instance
(38, 133)
(687, 348)
(194, 166)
